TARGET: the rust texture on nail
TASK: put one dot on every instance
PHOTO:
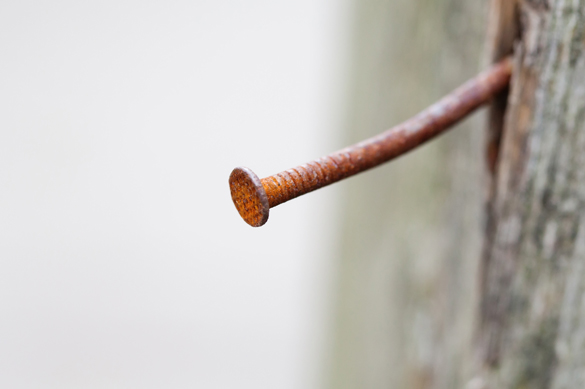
(253, 197)
(249, 196)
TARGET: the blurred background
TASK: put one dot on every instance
(123, 263)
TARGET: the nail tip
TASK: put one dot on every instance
(249, 196)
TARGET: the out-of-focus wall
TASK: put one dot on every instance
(123, 262)
(407, 259)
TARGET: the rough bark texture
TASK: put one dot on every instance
(412, 233)
(532, 331)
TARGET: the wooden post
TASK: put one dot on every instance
(532, 330)
(411, 259)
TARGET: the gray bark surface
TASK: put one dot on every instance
(532, 330)
(416, 243)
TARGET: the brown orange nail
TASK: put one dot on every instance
(253, 197)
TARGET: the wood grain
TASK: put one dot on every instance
(532, 332)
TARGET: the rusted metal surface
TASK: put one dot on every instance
(254, 197)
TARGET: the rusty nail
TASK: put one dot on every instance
(253, 197)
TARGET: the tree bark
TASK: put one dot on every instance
(532, 330)
(409, 262)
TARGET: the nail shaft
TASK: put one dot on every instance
(253, 197)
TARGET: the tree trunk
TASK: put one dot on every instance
(410, 261)
(532, 331)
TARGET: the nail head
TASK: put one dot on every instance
(249, 196)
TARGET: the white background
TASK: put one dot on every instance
(123, 263)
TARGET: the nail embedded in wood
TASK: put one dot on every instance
(253, 197)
